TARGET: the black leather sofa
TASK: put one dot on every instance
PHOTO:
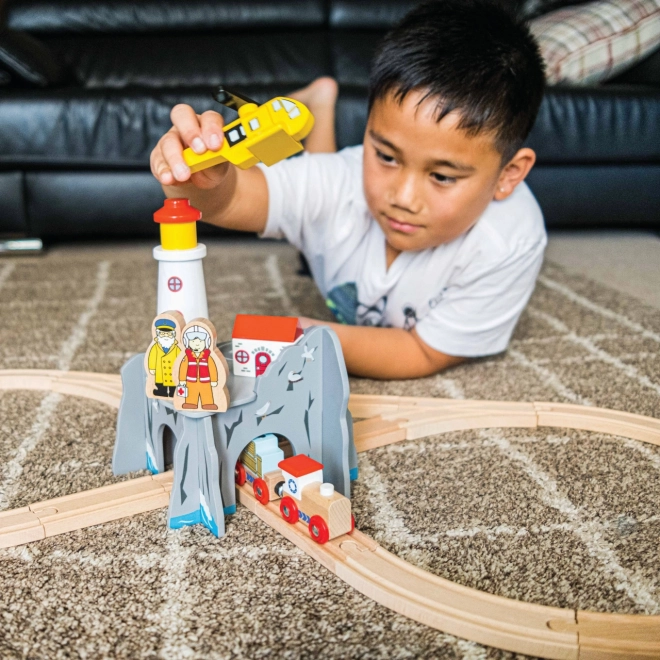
(74, 151)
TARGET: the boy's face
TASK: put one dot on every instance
(425, 182)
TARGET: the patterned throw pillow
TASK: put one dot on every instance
(593, 42)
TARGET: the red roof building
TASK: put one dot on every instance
(257, 341)
(266, 328)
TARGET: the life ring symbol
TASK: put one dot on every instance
(175, 284)
(242, 357)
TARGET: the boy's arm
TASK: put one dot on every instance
(388, 353)
(227, 196)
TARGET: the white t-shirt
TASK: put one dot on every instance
(464, 297)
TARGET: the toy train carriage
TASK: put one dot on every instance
(299, 482)
(258, 465)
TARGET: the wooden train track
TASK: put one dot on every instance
(357, 559)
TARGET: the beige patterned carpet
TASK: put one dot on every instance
(561, 518)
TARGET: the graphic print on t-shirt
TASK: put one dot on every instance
(343, 302)
(373, 315)
(462, 297)
(410, 317)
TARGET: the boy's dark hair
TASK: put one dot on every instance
(470, 56)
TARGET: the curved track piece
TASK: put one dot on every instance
(357, 559)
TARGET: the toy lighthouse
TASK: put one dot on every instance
(180, 273)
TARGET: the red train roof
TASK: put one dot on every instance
(300, 465)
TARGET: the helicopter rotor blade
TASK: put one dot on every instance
(231, 99)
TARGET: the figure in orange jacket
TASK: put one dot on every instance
(198, 371)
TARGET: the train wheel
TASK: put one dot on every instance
(239, 473)
(261, 491)
(289, 510)
(318, 529)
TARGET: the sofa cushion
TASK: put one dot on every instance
(352, 52)
(290, 59)
(113, 16)
(383, 14)
(370, 14)
(532, 8)
(26, 60)
(98, 129)
(598, 125)
(88, 128)
(593, 42)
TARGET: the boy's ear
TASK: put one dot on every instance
(514, 172)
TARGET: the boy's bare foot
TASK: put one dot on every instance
(322, 92)
(320, 96)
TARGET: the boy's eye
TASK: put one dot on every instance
(441, 178)
(384, 157)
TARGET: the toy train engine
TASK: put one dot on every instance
(306, 498)
(299, 482)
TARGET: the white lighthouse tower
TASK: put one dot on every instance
(180, 273)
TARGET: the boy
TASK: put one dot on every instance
(425, 238)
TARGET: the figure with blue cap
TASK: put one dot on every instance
(163, 353)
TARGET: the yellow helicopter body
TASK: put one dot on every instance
(266, 133)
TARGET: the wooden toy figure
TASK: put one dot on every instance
(202, 370)
(162, 353)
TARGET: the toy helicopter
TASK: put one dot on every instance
(264, 133)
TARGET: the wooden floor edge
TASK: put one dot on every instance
(592, 635)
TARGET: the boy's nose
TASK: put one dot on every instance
(405, 195)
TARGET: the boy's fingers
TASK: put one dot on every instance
(159, 168)
(186, 122)
(172, 153)
(212, 125)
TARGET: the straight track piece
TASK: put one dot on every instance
(25, 382)
(165, 479)
(381, 439)
(377, 432)
(462, 406)
(420, 428)
(366, 405)
(627, 425)
(19, 526)
(71, 512)
(88, 391)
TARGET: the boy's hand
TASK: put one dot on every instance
(199, 132)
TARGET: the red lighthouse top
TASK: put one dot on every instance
(177, 211)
